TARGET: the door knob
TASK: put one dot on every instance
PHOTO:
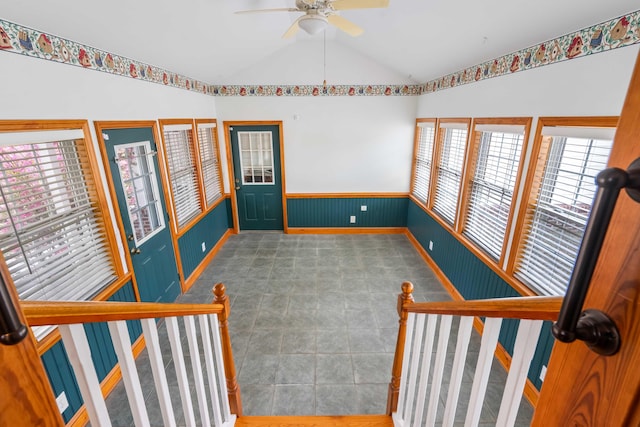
(130, 237)
(135, 251)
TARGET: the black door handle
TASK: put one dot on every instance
(12, 331)
(594, 327)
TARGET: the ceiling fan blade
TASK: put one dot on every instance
(345, 25)
(359, 4)
(292, 31)
(289, 9)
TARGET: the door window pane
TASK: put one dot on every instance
(138, 179)
(256, 157)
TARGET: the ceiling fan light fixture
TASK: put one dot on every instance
(313, 24)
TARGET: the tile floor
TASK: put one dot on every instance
(313, 321)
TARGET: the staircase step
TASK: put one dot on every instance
(316, 421)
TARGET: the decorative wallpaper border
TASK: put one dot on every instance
(316, 90)
(612, 34)
(27, 41)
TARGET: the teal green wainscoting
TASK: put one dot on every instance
(335, 212)
(56, 362)
(208, 230)
(474, 280)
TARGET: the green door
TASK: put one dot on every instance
(134, 164)
(256, 165)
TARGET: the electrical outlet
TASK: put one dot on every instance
(352, 219)
(430, 245)
(204, 246)
(62, 402)
(363, 208)
(543, 372)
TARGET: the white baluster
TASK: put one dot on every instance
(414, 365)
(404, 380)
(122, 347)
(152, 342)
(77, 348)
(229, 419)
(181, 372)
(523, 351)
(430, 337)
(211, 373)
(483, 369)
(438, 369)
(462, 347)
(196, 366)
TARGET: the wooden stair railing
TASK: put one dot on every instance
(417, 372)
(213, 335)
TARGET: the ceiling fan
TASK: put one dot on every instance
(319, 13)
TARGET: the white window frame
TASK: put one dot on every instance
(89, 268)
(552, 277)
(154, 189)
(442, 201)
(213, 189)
(487, 231)
(424, 144)
(191, 174)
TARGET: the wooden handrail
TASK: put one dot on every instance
(233, 388)
(44, 313)
(532, 308)
(405, 300)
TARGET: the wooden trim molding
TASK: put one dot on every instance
(345, 195)
(232, 186)
(346, 230)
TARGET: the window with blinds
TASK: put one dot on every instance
(423, 160)
(210, 164)
(51, 230)
(497, 157)
(449, 170)
(182, 172)
(562, 194)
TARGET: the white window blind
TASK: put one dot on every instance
(491, 192)
(554, 225)
(423, 161)
(182, 169)
(449, 171)
(51, 231)
(210, 163)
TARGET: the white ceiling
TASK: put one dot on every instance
(204, 39)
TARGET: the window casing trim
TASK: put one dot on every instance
(474, 144)
(421, 123)
(535, 167)
(443, 124)
(105, 220)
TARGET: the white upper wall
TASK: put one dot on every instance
(303, 63)
(336, 144)
(590, 86)
(38, 89)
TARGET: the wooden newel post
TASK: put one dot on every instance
(404, 300)
(233, 389)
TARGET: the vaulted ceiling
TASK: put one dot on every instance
(418, 39)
